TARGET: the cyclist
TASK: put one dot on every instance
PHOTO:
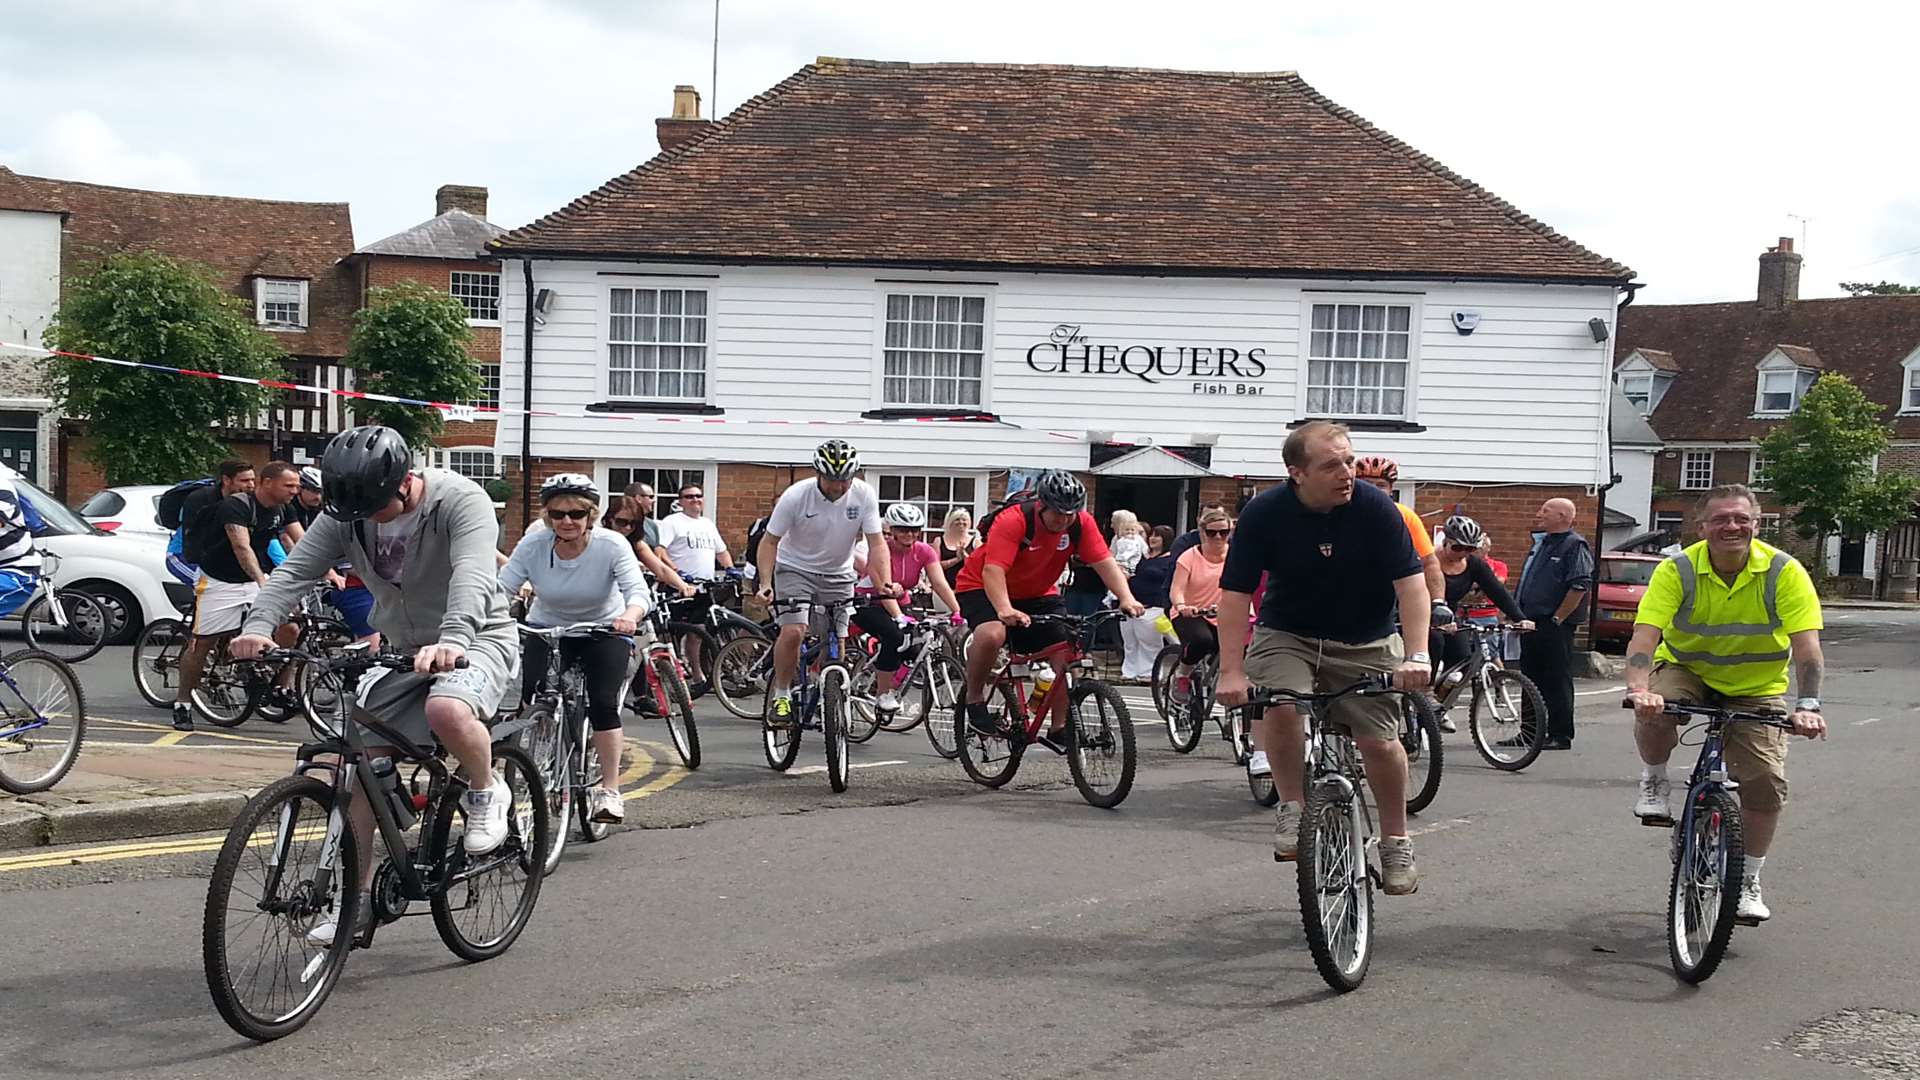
(581, 574)
(693, 545)
(1012, 577)
(233, 477)
(1464, 571)
(1339, 560)
(1384, 473)
(423, 542)
(1196, 586)
(809, 546)
(910, 557)
(1728, 615)
(19, 559)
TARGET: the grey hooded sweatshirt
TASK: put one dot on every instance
(451, 594)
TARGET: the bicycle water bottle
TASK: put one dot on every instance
(386, 780)
(1042, 682)
(1165, 625)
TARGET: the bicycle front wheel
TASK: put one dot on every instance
(156, 660)
(942, 694)
(1706, 887)
(679, 709)
(991, 760)
(43, 721)
(229, 689)
(75, 632)
(484, 901)
(1420, 737)
(590, 830)
(1336, 890)
(833, 725)
(1166, 667)
(1100, 753)
(1508, 719)
(863, 699)
(545, 743)
(267, 969)
(740, 672)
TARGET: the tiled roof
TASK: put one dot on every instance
(1717, 346)
(1054, 167)
(236, 237)
(455, 234)
(17, 194)
(1802, 356)
(1659, 359)
(1625, 425)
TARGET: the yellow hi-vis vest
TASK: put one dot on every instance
(1736, 636)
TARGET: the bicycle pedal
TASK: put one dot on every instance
(1662, 821)
(1740, 920)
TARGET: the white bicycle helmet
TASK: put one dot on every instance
(836, 459)
(578, 484)
(906, 515)
(310, 478)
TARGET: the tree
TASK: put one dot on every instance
(1884, 288)
(152, 426)
(1821, 461)
(411, 341)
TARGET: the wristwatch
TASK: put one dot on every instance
(1419, 658)
(1807, 704)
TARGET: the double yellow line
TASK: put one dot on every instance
(643, 764)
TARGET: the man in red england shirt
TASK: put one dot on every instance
(1012, 576)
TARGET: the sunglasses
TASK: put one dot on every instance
(623, 523)
(569, 515)
(695, 495)
(1463, 547)
(1218, 532)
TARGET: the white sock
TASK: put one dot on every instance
(1754, 863)
(1652, 772)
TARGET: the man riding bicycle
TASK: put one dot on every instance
(809, 543)
(423, 543)
(1727, 614)
(1012, 576)
(1339, 560)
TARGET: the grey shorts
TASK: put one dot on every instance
(800, 597)
(398, 699)
(1278, 660)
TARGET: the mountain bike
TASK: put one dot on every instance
(663, 679)
(231, 691)
(1709, 855)
(557, 735)
(1507, 713)
(1098, 741)
(819, 696)
(925, 674)
(64, 623)
(291, 861)
(43, 721)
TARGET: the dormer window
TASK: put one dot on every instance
(1786, 373)
(1644, 377)
(1910, 383)
(1639, 390)
(280, 303)
(1777, 391)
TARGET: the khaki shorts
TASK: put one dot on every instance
(1278, 660)
(1756, 755)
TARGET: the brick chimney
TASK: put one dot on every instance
(685, 123)
(1779, 276)
(460, 197)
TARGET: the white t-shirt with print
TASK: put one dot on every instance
(818, 535)
(693, 545)
(391, 541)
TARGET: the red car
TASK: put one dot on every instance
(1623, 580)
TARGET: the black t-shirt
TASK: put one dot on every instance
(1331, 575)
(217, 559)
(298, 511)
(1477, 574)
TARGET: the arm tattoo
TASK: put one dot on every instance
(1640, 660)
(1809, 676)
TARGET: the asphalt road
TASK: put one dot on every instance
(916, 926)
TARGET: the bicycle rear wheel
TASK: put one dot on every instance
(270, 889)
(43, 721)
(833, 726)
(709, 647)
(991, 760)
(156, 660)
(1509, 724)
(943, 690)
(1100, 753)
(781, 744)
(1336, 889)
(229, 690)
(1420, 736)
(678, 705)
(1706, 887)
(86, 630)
(486, 900)
(1166, 665)
(740, 672)
(862, 698)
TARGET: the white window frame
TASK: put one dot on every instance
(878, 393)
(1688, 457)
(1770, 525)
(1760, 391)
(1672, 521)
(663, 500)
(260, 289)
(453, 290)
(608, 342)
(486, 399)
(1757, 477)
(1910, 384)
(1644, 379)
(878, 476)
(441, 457)
(1413, 302)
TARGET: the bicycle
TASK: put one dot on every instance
(43, 721)
(232, 691)
(1709, 857)
(557, 736)
(926, 670)
(663, 678)
(296, 840)
(1337, 866)
(819, 699)
(1090, 745)
(67, 624)
(1506, 717)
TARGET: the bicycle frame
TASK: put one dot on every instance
(1479, 662)
(1065, 658)
(818, 654)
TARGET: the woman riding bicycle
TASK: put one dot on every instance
(582, 574)
(911, 557)
(1466, 571)
(1196, 589)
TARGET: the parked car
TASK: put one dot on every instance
(1623, 580)
(126, 509)
(126, 573)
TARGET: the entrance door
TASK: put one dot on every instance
(1153, 501)
(19, 431)
(1853, 557)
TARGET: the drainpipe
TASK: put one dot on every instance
(526, 399)
(1600, 518)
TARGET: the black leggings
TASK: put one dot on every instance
(605, 661)
(876, 621)
(1448, 649)
(1198, 638)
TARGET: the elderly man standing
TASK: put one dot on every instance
(1553, 592)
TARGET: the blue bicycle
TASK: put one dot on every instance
(43, 721)
(1708, 855)
(820, 698)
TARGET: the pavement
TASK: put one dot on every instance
(918, 926)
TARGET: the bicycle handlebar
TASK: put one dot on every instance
(1372, 685)
(352, 657)
(1714, 714)
(585, 629)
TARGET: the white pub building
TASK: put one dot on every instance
(1144, 276)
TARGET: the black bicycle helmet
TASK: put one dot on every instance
(1061, 491)
(836, 459)
(1463, 530)
(362, 471)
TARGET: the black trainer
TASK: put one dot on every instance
(981, 720)
(182, 716)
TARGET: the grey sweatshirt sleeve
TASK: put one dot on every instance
(470, 553)
(324, 545)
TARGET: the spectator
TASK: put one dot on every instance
(957, 541)
(1152, 578)
(1553, 593)
(1129, 540)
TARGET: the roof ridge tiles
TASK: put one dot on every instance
(825, 62)
(177, 194)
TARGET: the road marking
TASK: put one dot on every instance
(809, 770)
(171, 738)
(167, 729)
(276, 748)
(1868, 720)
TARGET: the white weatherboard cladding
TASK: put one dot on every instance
(1523, 399)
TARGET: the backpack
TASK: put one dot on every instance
(1027, 503)
(754, 535)
(174, 499)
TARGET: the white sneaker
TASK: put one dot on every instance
(323, 932)
(1653, 798)
(1257, 764)
(1446, 722)
(486, 818)
(1286, 832)
(1399, 876)
(1752, 907)
(887, 702)
(606, 807)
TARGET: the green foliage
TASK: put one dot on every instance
(411, 341)
(1884, 288)
(1821, 460)
(149, 426)
(497, 489)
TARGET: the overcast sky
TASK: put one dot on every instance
(1679, 138)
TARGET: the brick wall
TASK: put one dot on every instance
(746, 493)
(383, 271)
(1505, 512)
(80, 476)
(1901, 459)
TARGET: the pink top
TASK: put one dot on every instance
(1203, 578)
(907, 565)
